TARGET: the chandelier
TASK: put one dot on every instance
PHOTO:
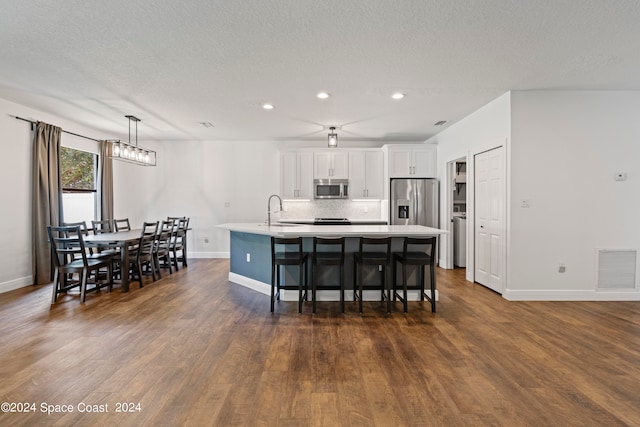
(129, 151)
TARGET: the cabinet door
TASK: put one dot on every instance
(305, 175)
(288, 175)
(322, 165)
(374, 174)
(340, 165)
(400, 164)
(424, 163)
(357, 172)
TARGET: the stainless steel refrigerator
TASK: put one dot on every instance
(414, 202)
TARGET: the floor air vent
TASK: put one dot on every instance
(617, 269)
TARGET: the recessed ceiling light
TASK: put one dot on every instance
(397, 95)
(267, 106)
(323, 95)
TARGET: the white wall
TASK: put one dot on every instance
(213, 183)
(566, 148)
(486, 128)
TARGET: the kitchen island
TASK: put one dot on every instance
(250, 251)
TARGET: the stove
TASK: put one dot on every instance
(331, 221)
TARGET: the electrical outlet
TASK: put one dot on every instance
(379, 268)
(248, 257)
(366, 209)
(206, 240)
(227, 204)
(562, 268)
(525, 203)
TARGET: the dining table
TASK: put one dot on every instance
(121, 239)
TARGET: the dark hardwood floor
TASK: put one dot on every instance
(194, 350)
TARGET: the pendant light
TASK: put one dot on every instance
(333, 138)
(129, 151)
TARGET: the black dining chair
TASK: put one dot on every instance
(145, 252)
(70, 257)
(122, 224)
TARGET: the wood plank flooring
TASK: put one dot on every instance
(194, 350)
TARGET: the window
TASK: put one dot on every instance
(78, 170)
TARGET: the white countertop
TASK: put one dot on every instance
(310, 221)
(303, 230)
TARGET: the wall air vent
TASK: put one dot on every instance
(440, 123)
(617, 269)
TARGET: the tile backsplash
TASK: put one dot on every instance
(332, 209)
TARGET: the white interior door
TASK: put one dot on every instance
(489, 218)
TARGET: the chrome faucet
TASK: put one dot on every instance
(269, 208)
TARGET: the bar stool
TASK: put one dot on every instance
(418, 251)
(283, 257)
(380, 256)
(323, 257)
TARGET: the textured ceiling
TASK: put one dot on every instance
(175, 64)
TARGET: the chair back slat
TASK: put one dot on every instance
(122, 224)
(103, 226)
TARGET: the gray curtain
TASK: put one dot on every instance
(106, 181)
(47, 197)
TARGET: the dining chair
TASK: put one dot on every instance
(179, 243)
(121, 224)
(102, 226)
(71, 258)
(144, 254)
(162, 249)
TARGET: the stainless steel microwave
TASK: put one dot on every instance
(331, 188)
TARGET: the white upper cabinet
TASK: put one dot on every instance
(412, 162)
(330, 165)
(366, 174)
(296, 179)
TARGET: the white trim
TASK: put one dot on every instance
(326, 295)
(208, 254)
(16, 284)
(570, 295)
(252, 284)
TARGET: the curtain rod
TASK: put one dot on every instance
(65, 131)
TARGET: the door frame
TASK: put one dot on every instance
(447, 242)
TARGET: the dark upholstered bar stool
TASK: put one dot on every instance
(418, 251)
(322, 257)
(372, 252)
(280, 256)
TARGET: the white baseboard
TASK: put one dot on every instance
(16, 284)
(203, 255)
(570, 295)
(292, 295)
